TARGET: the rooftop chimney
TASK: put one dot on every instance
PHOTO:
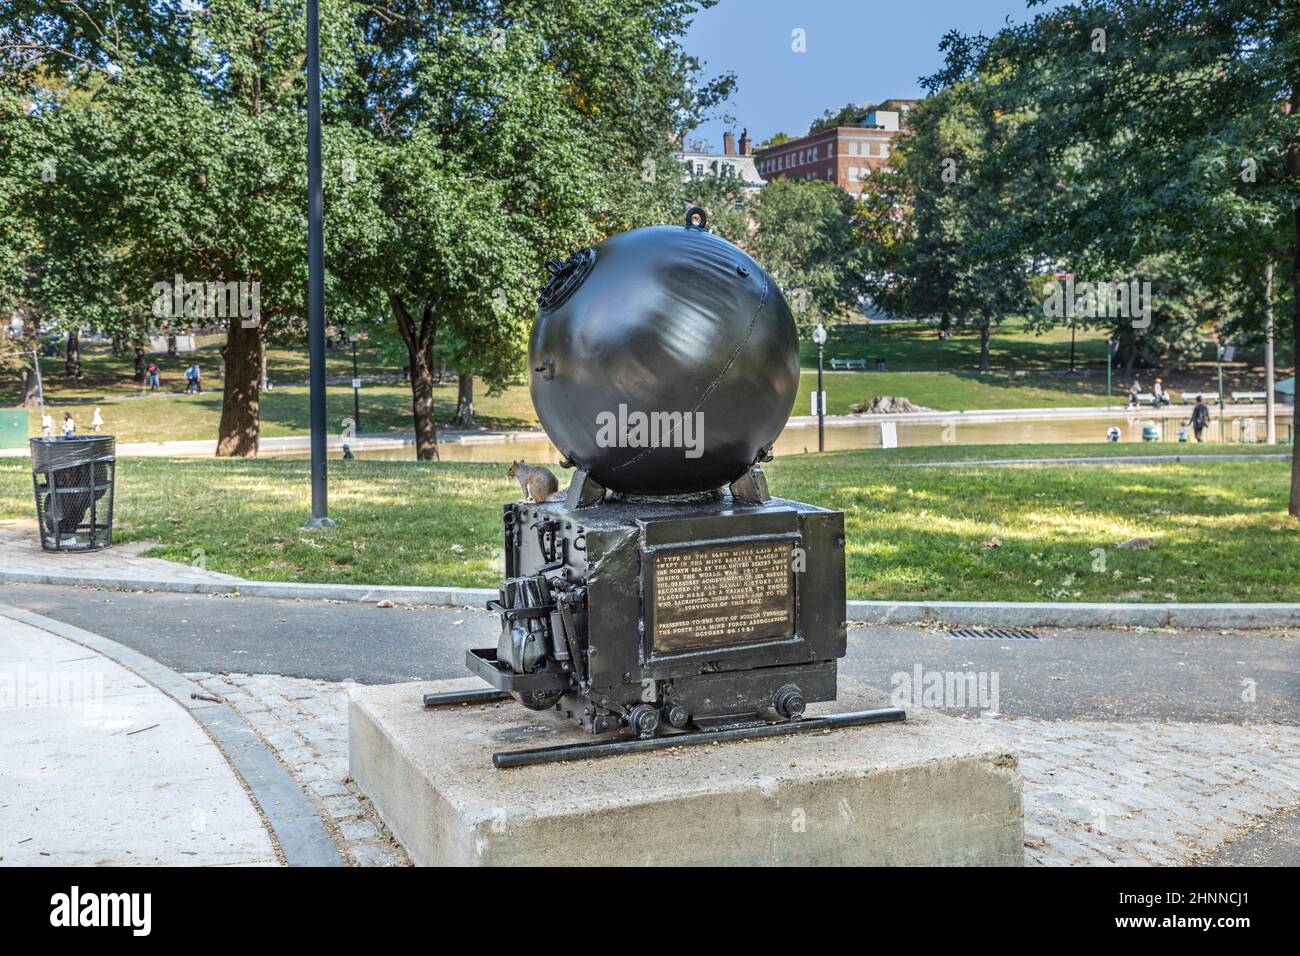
(745, 148)
(729, 143)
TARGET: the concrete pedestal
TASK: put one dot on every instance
(929, 790)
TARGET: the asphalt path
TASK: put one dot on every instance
(1228, 676)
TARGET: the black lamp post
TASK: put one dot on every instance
(1112, 346)
(316, 276)
(819, 336)
(356, 391)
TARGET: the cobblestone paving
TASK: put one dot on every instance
(1151, 793)
(305, 722)
(1096, 792)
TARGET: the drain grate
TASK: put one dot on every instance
(993, 633)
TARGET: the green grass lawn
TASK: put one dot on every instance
(915, 347)
(949, 391)
(175, 416)
(1013, 533)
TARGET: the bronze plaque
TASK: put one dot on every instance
(727, 594)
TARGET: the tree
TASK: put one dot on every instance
(193, 167)
(850, 114)
(1171, 128)
(503, 137)
(931, 223)
(804, 236)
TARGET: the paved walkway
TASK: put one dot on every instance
(20, 553)
(99, 767)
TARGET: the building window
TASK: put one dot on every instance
(830, 173)
(830, 150)
(853, 174)
(814, 155)
(699, 169)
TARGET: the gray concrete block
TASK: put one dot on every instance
(930, 790)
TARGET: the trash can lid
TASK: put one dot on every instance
(53, 454)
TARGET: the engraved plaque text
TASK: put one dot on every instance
(721, 595)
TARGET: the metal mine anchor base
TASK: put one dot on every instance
(697, 733)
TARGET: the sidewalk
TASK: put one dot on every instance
(21, 555)
(99, 767)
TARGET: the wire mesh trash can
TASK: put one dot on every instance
(73, 478)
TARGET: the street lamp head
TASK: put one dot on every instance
(819, 334)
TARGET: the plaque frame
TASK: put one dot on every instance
(648, 553)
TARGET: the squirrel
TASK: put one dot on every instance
(537, 483)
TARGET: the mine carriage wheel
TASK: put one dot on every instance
(540, 699)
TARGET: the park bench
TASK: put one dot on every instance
(849, 364)
(1239, 397)
(1146, 398)
(1189, 397)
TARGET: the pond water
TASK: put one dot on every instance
(799, 439)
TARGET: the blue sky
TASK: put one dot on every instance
(861, 51)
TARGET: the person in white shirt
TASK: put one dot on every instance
(69, 426)
(47, 425)
(97, 420)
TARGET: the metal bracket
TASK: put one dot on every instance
(751, 486)
(584, 491)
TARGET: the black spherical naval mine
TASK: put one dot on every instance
(663, 360)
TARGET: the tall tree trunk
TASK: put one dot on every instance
(1293, 172)
(118, 344)
(140, 364)
(72, 360)
(171, 346)
(1270, 400)
(241, 422)
(464, 401)
(1294, 508)
(419, 349)
(442, 369)
(31, 388)
(985, 331)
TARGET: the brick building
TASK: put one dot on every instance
(844, 155)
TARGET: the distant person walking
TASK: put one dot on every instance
(192, 379)
(153, 377)
(198, 378)
(47, 425)
(1158, 393)
(1134, 391)
(69, 426)
(97, 420)
(1200, 417)
(347, 454)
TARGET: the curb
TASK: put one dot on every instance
(956, 613)
(363, 593)
(293, 820)
(1047, 614)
